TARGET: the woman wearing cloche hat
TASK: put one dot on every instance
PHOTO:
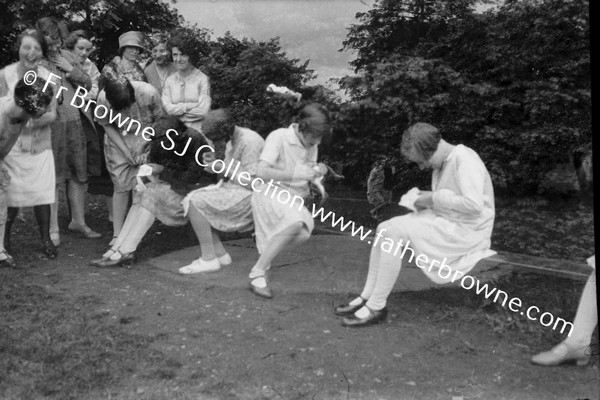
(131, 45)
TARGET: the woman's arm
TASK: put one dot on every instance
(470, 178)
(267, 172)
(73, 71)
(116, 138)
(47, 118)
(95, 77)
(171, 108)
(199, 109)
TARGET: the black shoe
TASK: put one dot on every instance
(347, 309)
(374, 317)
(8, 261)
(126, 259)
(49, 249)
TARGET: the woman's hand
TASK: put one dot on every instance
(305, 172)
(425, 200)
(62, 63)
(157, 169)
(209, 157)
(141, 159)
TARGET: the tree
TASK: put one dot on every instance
(239, 69)
(513, 83)
(106, 19)
(399, 26)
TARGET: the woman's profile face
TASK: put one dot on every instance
(30, 52)
(416, 157)
(160, 53)
(181, 61)
(131, 53)
(82, 49)
(309, 140)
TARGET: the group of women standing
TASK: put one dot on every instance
(180, 180)
(65, 144)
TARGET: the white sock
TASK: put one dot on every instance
(259, 282)
(357, 301)
(109, 253)
(116, 256)
(362, 312)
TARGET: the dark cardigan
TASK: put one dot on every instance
(181, 171)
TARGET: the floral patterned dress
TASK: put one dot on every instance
(229, 208)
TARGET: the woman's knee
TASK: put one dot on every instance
(392, 228)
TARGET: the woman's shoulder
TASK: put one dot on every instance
(248, 135)
(171, 79)
(282, 132)
(150, 68)
(8, 70)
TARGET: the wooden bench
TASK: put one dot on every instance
(575, 270)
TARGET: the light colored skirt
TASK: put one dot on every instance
(32, 178)
(272, 216)
(227, 208)
(122, 174)
(163, 202)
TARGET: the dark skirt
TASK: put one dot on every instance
(100, 184)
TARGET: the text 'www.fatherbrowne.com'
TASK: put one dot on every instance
(467, 282)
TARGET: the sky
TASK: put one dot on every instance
(308, 29)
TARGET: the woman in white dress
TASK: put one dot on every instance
(30, 163)
(451, 228)
(286, 167)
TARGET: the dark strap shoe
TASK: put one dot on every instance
(8, 261)
(347, 310)
(374, 317)
(49, 249)
(125, 260)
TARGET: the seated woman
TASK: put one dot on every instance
(576, 347)
(453, 224)
(280, 218)
(175, 172)
(228, 208)
(126, 146)
(186, 92)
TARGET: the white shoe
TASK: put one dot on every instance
(200, 265)
(225, 259)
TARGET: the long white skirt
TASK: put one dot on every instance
(32, 179)
(274, 214)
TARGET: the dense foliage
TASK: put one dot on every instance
(239, 69)
(513, 82)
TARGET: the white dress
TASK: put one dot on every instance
(272, 208)
(459, 226)
(32, 177)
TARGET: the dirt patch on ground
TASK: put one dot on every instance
(70, 331)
